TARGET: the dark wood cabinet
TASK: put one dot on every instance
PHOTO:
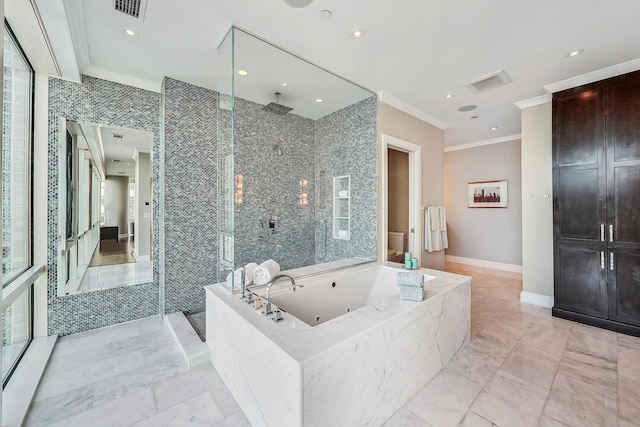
(596, 209)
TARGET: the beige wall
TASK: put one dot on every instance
(485, 234)
(399, 124)
(142, 242)
(398, 194)
(116, 203)
(537, 201)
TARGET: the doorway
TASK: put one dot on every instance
(401, 198)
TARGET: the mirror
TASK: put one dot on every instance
(105, 207)
(297, 161)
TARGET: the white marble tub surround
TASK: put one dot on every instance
(355, 369)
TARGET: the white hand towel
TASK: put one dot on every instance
(343, 233)
(343, 193)
(265, 272)
(237, 275)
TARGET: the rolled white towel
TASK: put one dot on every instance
(237, 275)
(343, 193)
(265, 272)
(343, 233)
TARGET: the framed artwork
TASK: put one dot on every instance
(487, 194)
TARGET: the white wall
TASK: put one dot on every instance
(484, 234)
(401, 125)
(398, 194)
(116, 201)
(537, 202)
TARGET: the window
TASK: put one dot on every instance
(16, 160)
(17, 239)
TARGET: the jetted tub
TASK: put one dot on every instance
(325, 298)
(355, 368)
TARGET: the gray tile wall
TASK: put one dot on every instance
(190, 168)
(109, 103)
(347, 144)
(271, 186)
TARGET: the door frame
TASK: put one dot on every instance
(415, 198)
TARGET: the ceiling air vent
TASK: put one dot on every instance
(491, 81)
(134, 8)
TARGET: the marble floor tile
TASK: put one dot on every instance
(501, 412)
(545, 340)
(590, 369)
(628, 401)
(497, 338)
(64, 381)
(531, 366)
(474, 420)
(445, 400)
(47, 411)
(235, 419)
(405, 418)
(579, 403)
(526, 396)
(181, 387)
(200, 410)
(628, 341)
(126, 411)
(475, 363)
(588, 342)
(545, 421)
(83, 341)
(116, 275)
(629, 362)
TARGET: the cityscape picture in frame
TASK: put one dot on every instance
(487, 194)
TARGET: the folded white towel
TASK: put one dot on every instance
(237, 275)
(265, 272)
(343, 193)
(343, 233)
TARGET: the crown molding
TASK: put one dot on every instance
(411, 110)
(594, 76)
(485, 142)
(532, 102)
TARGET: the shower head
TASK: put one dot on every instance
(276, 107)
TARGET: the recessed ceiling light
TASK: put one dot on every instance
(298, 3)
(357, 33)
(467, 108)
(319, 100)
(130, 32)
(284, 84)
(243, 73)
(494, 128)
(325, 14)
(449, 96)
(474, 117)
(574, 53)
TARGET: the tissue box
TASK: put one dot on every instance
(411, 286)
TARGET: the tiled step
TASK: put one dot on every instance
(194, 351)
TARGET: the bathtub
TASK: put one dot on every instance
(367, 353)
(325, 298)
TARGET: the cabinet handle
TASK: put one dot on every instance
(602, 260)
(611, 233)
(602, 232)
(611, 261)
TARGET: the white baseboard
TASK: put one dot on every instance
(536, 299)
(514, 268)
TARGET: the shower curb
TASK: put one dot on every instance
(193, 350)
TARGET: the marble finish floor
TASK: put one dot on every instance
(521, 368)
(115, 276)
(526, 368)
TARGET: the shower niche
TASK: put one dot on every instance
(286, 128)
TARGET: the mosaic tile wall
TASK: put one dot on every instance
(347, 144)
(190, 167)
(98, 101)
(273, 154)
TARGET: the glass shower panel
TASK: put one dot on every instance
(226, 183)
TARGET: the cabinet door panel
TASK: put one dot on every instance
(624, 285)
(626, 202)
(623, 112)
(578, 204)
(578, 129)
(580, 280)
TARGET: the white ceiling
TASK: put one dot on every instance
(417, 51)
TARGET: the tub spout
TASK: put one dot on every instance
(266, 309)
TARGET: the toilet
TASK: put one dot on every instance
(395, 251)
